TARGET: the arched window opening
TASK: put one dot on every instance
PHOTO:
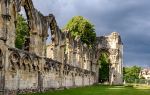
(49, 48)
(22, 31)
(49, 41)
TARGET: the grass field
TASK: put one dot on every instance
(101, 90)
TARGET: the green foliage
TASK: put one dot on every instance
(142, 77)
(22, 31)
(104, 69)
(81, 27)
(104, 58)
(131, 73)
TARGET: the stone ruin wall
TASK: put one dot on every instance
(24, 71)
(68, 62)
(113, 46)
(76, 53)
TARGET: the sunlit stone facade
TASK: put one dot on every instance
(66, 62)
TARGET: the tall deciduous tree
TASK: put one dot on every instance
(22, 31)
(81, 27)
(131, 73)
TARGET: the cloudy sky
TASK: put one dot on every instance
(131, 18)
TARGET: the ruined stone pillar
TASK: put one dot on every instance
(3, 33)
(7, 25)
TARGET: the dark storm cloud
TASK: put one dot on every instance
(131, 18)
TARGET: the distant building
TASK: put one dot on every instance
(145, 73)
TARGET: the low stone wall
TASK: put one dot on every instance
(25, 72)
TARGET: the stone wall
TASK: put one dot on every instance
(27, 72)
(112, 45)
(78, 54)
(67, 63)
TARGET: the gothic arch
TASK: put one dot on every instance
(100, 51)
(29, 10)
(35, 64)
(55, 31)
(26, 62)
(14, 59)
(103, 66)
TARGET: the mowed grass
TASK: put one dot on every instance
(100, 90)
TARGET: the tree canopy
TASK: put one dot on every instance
(22, 31)
(131, 73)
(81, 27)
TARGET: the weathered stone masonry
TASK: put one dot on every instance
(67, 63)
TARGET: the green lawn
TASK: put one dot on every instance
(100, 90)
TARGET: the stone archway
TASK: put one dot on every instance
(24, 12)
(37, 24)
(14, 59)
(104, 69)
(113, 46)
(55, 49)
(26, 63)
(52, 24)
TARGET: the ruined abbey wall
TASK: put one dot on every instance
(112, 45)
(64, 63)
(76, 53)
